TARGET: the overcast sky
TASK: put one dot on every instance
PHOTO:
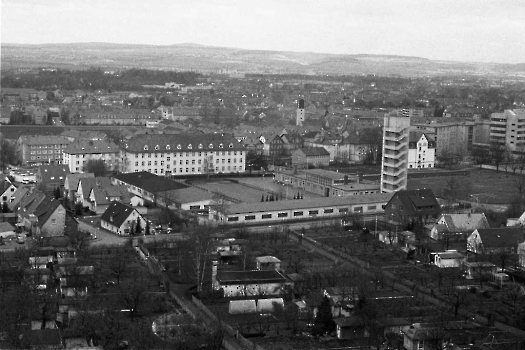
(459, 30)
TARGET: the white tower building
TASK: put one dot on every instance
(395, 153)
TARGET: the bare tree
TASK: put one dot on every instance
(200, 242)
(456, 298)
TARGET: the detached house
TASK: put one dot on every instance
(71, 184)
(50, 177)
(102, 193)
(412, 206)
(495, 240)
(452, 224)
(121, 219)
(41, 215)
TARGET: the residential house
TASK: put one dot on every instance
(421, 150)
(84, 189)
(41, 215)
(51, 177)
(304, 158)
(71, 184)
(495, 240)
(121, 219)
(7, 189)
(78, 154)
(268, 263)
(412, 206)
(103, 193)
(17, 196)
(420, 336)
(458, 224)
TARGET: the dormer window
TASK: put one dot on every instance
(179, 147)
(211, 145)
(145, 148)
(126, 146)
(157, 147)
(231, 145)
(200, 145)
(221, 146)
(168, 147)
(189, 146)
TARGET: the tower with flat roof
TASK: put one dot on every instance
(394, 163)
(301, 114)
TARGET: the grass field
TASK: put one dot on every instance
(487, 186)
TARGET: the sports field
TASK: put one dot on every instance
(485, 186)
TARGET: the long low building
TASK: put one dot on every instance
(282, 211)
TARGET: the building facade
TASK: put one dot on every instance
(421, 151)
(37, 150)
(183, 154)
(77, 154)
(508, 128)
(395, 153)
(452, 139)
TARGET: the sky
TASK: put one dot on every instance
(456, 30)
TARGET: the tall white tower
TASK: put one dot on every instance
(300, 113)
(394, 163)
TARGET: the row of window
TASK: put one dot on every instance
(45, 157)
(302, 213)
(47, 146)
(187, 154)
(187, 170)
(45, 152)
(179, 146)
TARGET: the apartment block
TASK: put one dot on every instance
(183, 154)
(508, 128)
(77, 154)
(37, 150)
(452, 138)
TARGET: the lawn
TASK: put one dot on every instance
(487, 186)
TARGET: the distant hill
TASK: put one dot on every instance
(209, 58)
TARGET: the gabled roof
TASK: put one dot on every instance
(103, 195)
(314, 151)
(91, 147)
(465, 222)
(417, 201)
(150, 182)
(40, 205)
(53, 173)
(73, 179)
(501, 237)
(4, 186)
(182, 143)
(117, 213)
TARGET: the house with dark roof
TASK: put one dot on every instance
(407, 207)
(41, 215)
(495, 240)
(310, 157)
(121, 219)
(50, 177)
(103, 193)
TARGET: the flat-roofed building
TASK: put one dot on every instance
(37, 149)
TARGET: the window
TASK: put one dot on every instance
(358, 209)
(168, 147)
(372, 207)
(145, 148)
(53, 221)
(249, 217)
(298, 213)
(266, 216)
(233, 218)
(328, 211)
(282, 215)
(190, 146)
(221, 145)
(193, 207)
(343, 210)
(157, 147)
(313, 212)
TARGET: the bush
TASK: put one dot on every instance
(473, 290)
(486, 294)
